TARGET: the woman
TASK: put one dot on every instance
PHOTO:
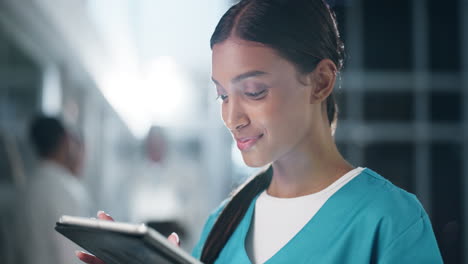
(275, 64)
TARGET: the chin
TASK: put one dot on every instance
(254, 160)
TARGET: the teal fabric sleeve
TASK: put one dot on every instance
(197, 250)
(416, 244)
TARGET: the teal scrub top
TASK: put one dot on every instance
(369, 220)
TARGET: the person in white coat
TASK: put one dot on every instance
(53, 190)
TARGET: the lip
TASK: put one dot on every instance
(246, 143)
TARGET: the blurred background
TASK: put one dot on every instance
(132, 78)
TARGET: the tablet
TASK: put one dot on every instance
(122, 243)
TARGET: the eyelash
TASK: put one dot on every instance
(221, 97)
(255, 95)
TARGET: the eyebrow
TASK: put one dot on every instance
(243, 76)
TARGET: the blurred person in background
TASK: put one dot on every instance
(154, 196)
(54, 189)
(274, 64)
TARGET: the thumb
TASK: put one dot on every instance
(103, 216)
(174, 239)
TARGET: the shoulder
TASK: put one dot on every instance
(404, 229)
(389, 209)
(197, 250)
(215, 214)
(387, 199)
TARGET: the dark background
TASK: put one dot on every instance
(403, 102)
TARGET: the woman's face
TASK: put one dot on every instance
(265, 104)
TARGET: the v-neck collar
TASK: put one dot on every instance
(329, 208)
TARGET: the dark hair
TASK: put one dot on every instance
(45, 134)
(303, 32)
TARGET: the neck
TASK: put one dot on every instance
(308, 168)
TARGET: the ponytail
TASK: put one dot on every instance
(232, 215)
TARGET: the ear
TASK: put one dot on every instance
(324, 77)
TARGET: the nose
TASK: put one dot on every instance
(234, 115)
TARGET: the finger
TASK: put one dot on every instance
(103, 216)
(174, 239)
(88, 258)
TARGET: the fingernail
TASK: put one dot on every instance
(100, 212)
(176, 236)
(77, 252)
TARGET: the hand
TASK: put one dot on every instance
(88, 258)
(91, 259)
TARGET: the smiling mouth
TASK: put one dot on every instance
(246, 143)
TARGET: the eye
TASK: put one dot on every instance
(257, 95)
(221, 98)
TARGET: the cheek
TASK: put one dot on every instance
(283, 125)
(282, 119)
(291, 125)
(288, 115)
(288, 127)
